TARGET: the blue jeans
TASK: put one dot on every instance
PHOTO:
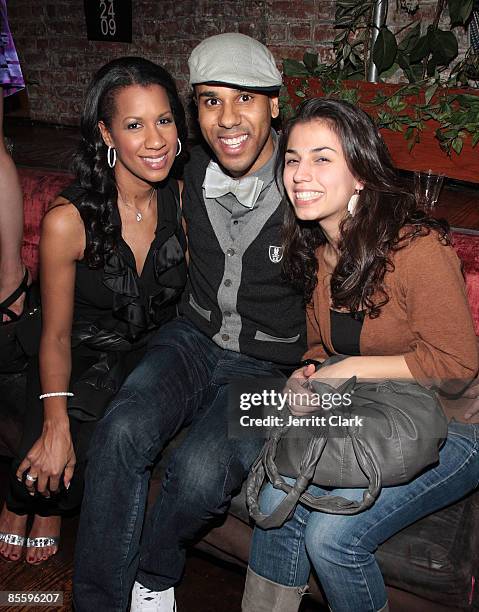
(341, 548)
(181, 380)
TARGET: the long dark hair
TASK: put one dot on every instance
(386, 216)
(90, 162)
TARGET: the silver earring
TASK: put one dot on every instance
(179, 147)
(111, 158)
(353, 200)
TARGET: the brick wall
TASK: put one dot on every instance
(58, 60)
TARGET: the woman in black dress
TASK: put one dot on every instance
(112, 255)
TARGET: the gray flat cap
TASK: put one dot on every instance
(234, 59)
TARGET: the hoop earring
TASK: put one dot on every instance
(179, 147)
(353, 200)
(111, 159)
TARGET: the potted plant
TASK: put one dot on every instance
(433, 114)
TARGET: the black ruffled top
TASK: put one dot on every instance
(116, 310)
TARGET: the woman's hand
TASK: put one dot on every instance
(334, 375)
(299, 392)
(51, 456)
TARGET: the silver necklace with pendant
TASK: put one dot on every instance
(139, 214)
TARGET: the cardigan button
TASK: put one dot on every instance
(228, 283)
(225, 337)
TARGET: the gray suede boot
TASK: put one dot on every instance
(263, 595)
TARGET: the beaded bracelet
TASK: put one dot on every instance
(56, 394)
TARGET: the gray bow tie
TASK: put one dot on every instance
(217, 184)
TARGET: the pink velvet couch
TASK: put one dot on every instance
(40, 188)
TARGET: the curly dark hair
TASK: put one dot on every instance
(385, 219)
(90, 162)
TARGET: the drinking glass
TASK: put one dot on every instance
(427, 187)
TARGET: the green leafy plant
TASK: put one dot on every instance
(422, 56)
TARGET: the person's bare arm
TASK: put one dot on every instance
(61, 245)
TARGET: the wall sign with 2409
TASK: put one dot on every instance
(107, 17)
(109, 20)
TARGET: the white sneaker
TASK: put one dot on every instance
(146, 600)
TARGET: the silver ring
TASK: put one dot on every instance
(31, 478)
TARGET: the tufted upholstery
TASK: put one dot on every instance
(40, 188)
(467, 247)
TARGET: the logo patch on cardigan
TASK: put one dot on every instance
(275, 253)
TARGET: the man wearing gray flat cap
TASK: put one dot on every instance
(236, 60)
(238, 320)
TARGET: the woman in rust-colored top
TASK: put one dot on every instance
(384, 287)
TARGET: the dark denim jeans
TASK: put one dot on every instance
(181, 380)
(341, 548)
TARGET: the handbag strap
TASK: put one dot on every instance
(330, 504)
